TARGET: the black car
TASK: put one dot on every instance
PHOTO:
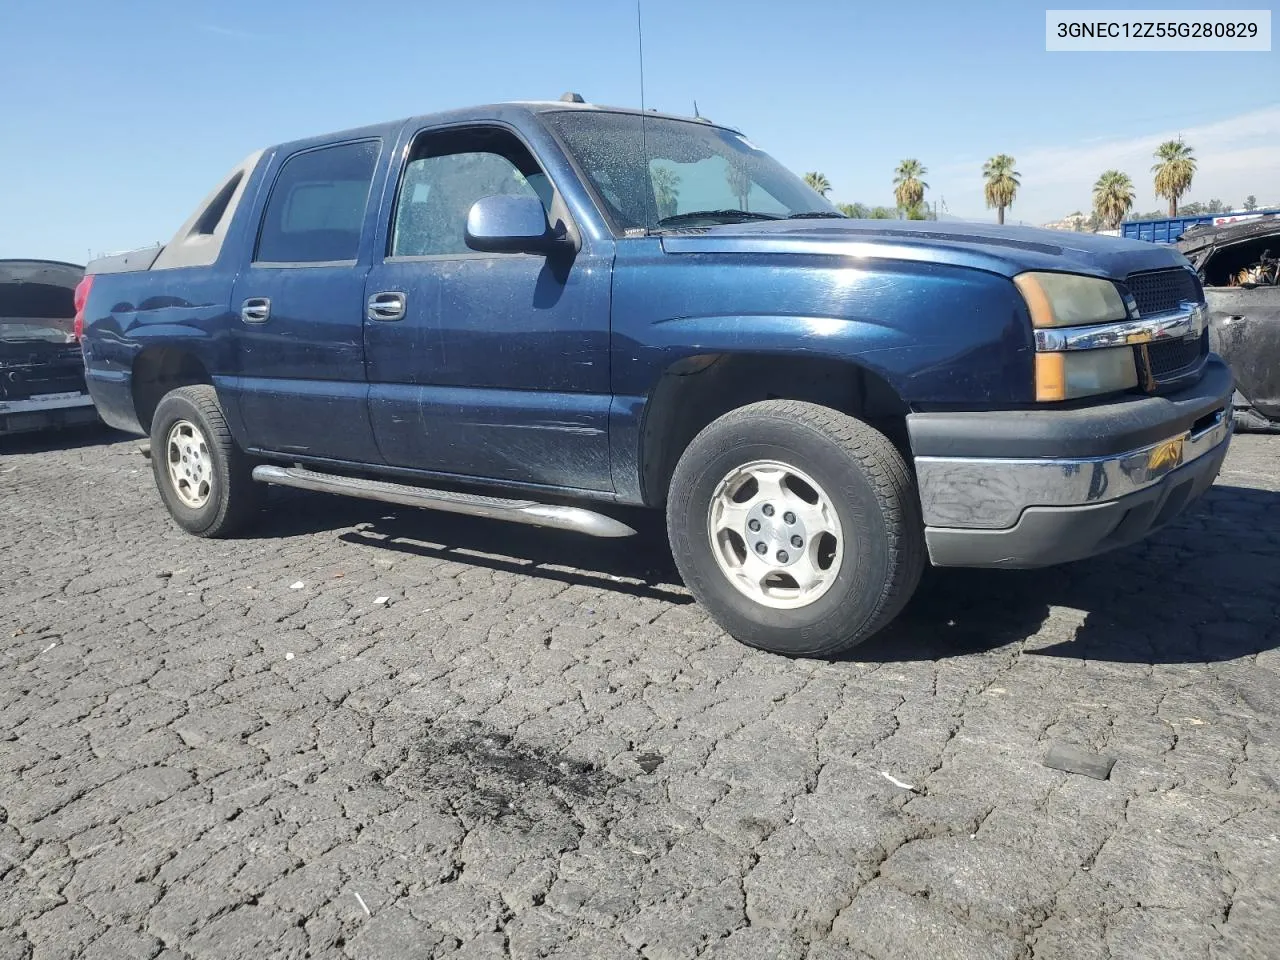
(41, 367)
(1239, 265)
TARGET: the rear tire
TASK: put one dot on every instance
(204, 479)
(822, 472)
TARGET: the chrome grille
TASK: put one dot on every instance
(1161, 291)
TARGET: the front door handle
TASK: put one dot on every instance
(389, 305)
(255, 310)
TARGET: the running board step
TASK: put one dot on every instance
(497, 508)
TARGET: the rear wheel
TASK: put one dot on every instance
(796, 526)
(204, 479)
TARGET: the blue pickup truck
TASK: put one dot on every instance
(536, 311)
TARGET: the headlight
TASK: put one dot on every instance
(1069, 300)
(1084, 373)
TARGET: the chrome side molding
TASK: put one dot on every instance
(498, 508)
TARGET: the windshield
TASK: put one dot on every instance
(696, 173)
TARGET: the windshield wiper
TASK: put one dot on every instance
(817, 214)
(728, 216)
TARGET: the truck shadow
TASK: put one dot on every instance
(63, 438)
(639, 566)
(1201, 590)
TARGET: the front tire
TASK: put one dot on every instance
(204, 479)
(796, 526)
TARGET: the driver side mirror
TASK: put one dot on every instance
(511, 224)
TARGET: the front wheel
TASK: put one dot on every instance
(204, 479)
(796, 526)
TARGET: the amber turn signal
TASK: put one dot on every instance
(1051, 377)
(1038, 304)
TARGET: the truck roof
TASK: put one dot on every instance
(490, 111)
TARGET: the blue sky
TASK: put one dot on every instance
(119, 117)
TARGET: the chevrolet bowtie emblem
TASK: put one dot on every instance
(1165, 456)
(1199, 317)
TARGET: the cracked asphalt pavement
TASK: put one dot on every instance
(537, 746)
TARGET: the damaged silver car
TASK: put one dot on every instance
(41, 367)
(1239, 265)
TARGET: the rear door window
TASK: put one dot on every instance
(316, 210)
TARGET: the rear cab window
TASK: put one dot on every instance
(316, 210)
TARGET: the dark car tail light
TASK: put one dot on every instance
(81, 298)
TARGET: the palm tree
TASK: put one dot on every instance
(666, 190)
(1176, 167)
(908, 188)
(739, 183)
(1112, 198)
(819, 182)
(1001, 183)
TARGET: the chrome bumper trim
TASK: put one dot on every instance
(38, 406)
(1187, 321)
(991, 494)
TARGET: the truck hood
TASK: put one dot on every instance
(36, 303)
(1003, 250)
(39, 354)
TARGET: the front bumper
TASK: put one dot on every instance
(40, 413)
(994, 508)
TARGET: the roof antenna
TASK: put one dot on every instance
(644, 143)
(696, 115)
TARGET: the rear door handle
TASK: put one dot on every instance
(255, 310)
(389, 305)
